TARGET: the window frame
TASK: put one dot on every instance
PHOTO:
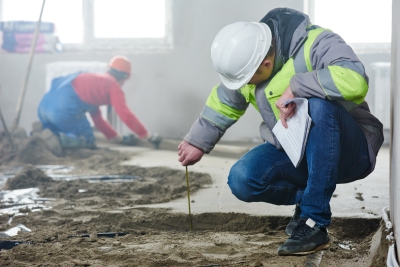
(91, 43)
(359, 48)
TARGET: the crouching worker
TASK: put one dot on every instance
(264, 64)
(62, 110)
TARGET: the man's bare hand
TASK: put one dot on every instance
(188, 154)
(285, 111)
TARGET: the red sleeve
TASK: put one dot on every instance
(117, 99)
(102, 125)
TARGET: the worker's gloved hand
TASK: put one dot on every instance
(130, 139)
(116, 139)
(155, 139)
(188, 154)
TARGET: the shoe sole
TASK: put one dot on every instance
(321, 247)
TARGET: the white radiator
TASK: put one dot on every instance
(62, 68)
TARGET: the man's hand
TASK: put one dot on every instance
(130, 140)
(188, 154)
(286, 111)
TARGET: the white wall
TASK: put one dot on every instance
(167, 91)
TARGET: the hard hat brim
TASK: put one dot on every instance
(237, 85)
(232, 85)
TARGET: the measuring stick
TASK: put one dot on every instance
(188, 190)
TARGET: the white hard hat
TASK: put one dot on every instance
(238, 50)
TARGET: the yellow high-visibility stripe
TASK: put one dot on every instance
(248, 92)
(312, 35)
(278, 85)
(214, 103)
(351, 85)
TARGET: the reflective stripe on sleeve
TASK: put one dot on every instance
(328, 85)
(351, 85)
(231, 98)
(354, 66)
(217, 118)
(214, 103)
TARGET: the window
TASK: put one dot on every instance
(100, 24)
(365, 25)
(69, 30)
(124, 22)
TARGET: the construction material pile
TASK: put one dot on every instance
(18, 37)
(24, 149)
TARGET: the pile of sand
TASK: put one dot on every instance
(27, 178)
(25, 150)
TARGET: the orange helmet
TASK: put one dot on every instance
(120, 63)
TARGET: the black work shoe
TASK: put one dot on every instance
(306, 238)
(294, 220)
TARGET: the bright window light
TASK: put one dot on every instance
(129, 19)
(356, 21)
(106, 25)
(66, 15)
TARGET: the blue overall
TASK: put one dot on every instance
(62, 111)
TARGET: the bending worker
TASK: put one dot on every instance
(264, 64)
(63, 108)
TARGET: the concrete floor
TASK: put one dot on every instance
(363, 199)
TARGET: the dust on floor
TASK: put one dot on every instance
(67, 234)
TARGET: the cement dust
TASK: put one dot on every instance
(155, 237)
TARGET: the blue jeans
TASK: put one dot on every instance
(62, 111)
(336, 152)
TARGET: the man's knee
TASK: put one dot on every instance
(245, 183)
(239, 182)
(320, 109)
(318, 104)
